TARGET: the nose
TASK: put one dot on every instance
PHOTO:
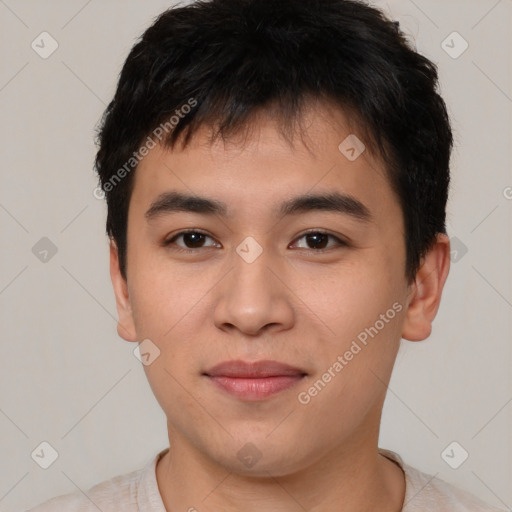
(254, 297)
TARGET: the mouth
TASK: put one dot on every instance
(254, 381)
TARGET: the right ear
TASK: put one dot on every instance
(125, 323)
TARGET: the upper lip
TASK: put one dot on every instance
(258, 369)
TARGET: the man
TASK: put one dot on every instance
(276, 175)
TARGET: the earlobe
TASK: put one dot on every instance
(426, 291)
(125, 325)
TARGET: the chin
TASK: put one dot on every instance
(260, 457)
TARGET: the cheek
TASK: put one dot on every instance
(358, 360)
(151, 305)
(364, 310)
(352, 299)
(162, 294)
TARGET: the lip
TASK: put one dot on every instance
(254, 381)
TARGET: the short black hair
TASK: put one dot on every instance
(219, 62)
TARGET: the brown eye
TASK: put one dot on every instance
(319, 240)
(190, 240)
(193, 240)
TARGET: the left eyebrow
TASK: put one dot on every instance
(334, 202)
(174, 201)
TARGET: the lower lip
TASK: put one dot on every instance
(256, 389)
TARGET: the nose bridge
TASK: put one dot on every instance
(252, 297)
(251, 268)
(253, 285)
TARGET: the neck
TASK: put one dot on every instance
(353, 477)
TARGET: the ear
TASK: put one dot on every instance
(425, 295)
(125, 324)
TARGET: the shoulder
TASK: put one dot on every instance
(427, 493)
(126, 492)
(118, 493)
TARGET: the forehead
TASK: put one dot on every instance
(258, 165)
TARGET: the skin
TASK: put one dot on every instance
(292, 305)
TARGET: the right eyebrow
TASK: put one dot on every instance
(169, 202)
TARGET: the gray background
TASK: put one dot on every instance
(67, 378)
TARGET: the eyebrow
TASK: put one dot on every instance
(170, 202)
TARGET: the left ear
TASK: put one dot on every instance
(426, 291)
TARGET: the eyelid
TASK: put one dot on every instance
(170, 239)
(341, 242)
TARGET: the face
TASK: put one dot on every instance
(256, 272)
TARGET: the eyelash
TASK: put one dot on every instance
(167, 243)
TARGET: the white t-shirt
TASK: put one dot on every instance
(138, 492)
